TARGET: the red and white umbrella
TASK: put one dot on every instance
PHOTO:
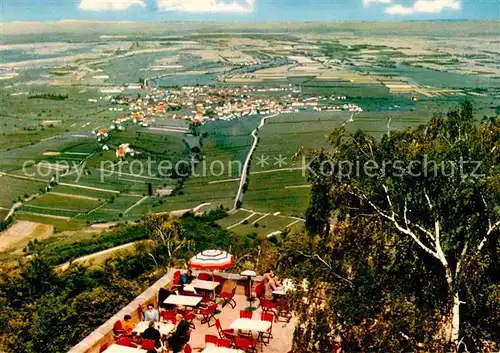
(212, 260)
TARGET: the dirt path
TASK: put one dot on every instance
(181, 212)
(109, 251)
(135, 204)
(46, 215)
(277, 170)
(23, 177)
(298, 186)
(89, 188)
(75, 196)
(223, 181)
(243, 220)
(13, 209)
(169, 129)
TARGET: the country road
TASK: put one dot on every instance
(109, 251)
(244, 172)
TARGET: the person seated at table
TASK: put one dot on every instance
(127, 325)
(269, 287)
(269, 272)
(151, 314)
(187, 277)
(277, 282)
(180, 337)
(151, 333)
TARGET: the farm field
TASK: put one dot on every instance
(244, 221)
(272, 186)
(58, 93)
(58, 202)
(18, 235)
(13, 189)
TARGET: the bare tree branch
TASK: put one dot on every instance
(403, 230)
(459, 262)
(491, 225)
(491, 228)
(316, 256)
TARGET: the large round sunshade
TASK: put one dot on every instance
(212, 260)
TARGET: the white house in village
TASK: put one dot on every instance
(123, 149)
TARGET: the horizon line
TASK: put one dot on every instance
(253, 22)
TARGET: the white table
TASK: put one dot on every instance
(115, 348)
(164, 328)
(206, 285)
(183, 300)
(252, 325)
(281, 291)
(214, 349)
(287, 286)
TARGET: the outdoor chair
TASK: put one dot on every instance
(189, 317)
(266, 336)
(140, 312)
(126, 342)
(205, 299)
(118, 330)
(211, 339)
(169, 315)
(208, 314)
(268, 306)
(228, 298)
(204, 276)
(148, 345)
(283, 312)
(176, 283)
(227, 333)
(221, 282)
(224, 342)
(336, 347)
(246, 344)
(245, 314)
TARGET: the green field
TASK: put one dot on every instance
(64, 203)
(13, 189)
(59, 224)
(284, 135)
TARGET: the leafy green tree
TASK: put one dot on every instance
(167, 230)
(415, 240)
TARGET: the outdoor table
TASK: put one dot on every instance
(250, 324)
(214, 349)
(164, 328)
(205, 285)
(183, 300)
(287, 286)
(281, 291)
(115, 348)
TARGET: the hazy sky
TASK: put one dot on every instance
(248, 10)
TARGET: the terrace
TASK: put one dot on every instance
(282, 330)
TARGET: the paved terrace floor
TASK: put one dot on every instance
(282, 331)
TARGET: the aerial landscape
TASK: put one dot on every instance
(341, 175)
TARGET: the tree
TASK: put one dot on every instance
(415, 203)
(167, 230)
